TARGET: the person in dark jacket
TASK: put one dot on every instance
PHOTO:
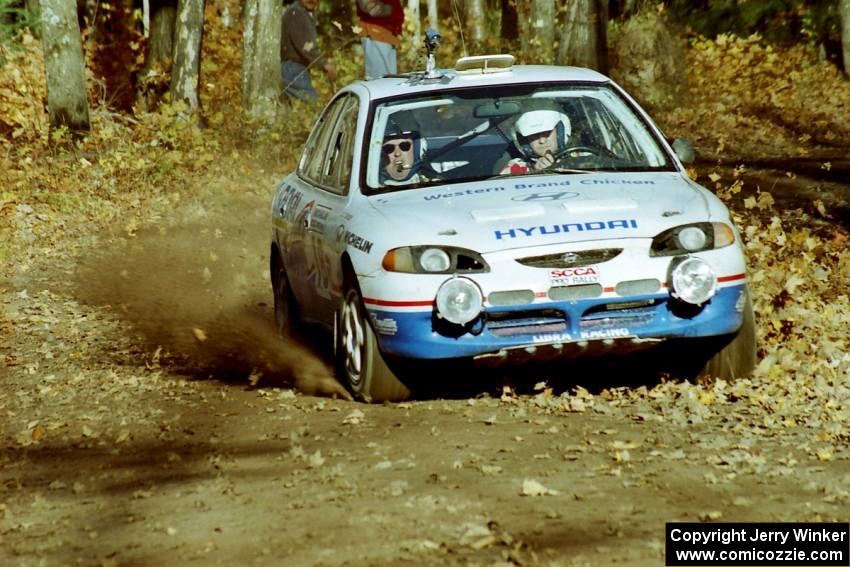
(298, 51)
(380, 27)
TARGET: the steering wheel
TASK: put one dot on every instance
(595, 151)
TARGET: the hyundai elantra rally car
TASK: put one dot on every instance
(496, 213)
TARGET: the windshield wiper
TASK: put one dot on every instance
(564, 170)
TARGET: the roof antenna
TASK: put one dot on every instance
(432, 42)
(459, 28)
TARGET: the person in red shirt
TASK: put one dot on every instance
(380, 27)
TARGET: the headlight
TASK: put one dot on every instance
(459, 301)
(692, 280)
(692, 238)
(434, 260)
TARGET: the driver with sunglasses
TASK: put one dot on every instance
(401, 155)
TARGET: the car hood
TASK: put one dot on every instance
(504, 213)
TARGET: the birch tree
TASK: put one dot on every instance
(64, 66)
(433, 18)
(844, 11)
(261, 80)
(537, 28)
(185, 74)
(413, 12)
(583, 34)
(476, 23)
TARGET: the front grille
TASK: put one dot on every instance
(572, 292)
(513, 297)
(571, 259)
(622, 314)
(638, 287)
(513, 323)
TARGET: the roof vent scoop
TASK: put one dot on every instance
(484, 64)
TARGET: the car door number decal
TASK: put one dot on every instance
(288, 202)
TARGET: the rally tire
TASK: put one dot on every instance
(361, 365)
(737, 359)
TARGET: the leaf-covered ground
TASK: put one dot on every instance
(149, 415)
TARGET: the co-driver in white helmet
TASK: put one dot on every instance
(539, 135)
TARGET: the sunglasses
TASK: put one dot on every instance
(390, 148)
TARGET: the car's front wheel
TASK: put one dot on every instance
(360, 363)
(738, 358)
(718, 358)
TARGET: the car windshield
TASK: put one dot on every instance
(484, 132)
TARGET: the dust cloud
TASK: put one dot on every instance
(196, 290)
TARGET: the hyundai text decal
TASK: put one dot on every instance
(541, 230)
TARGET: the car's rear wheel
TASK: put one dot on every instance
(285, 308)
(361, 365)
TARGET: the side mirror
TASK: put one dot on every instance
(684, 151)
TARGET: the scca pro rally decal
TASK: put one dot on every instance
(574, 276)
(540, 230)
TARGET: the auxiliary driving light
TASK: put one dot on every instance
(459, 301)
(693, 281)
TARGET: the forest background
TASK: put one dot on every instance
(749, 83)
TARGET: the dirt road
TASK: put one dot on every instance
(150, 416)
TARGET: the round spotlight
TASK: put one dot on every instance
(693, 281)
(459, 301)
(435, 260)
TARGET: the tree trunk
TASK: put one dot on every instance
(537, 25)
(416, 41)
(153, 80)
(161, 39)
(476, 23)
(433, 17)
(64, 66)
(844, 10)
(185, 75)
(583, 35)
(33, 9)
(261, 81)
(510, 23)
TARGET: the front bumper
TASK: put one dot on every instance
(565, 329)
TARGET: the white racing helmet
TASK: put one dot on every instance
(537, 121)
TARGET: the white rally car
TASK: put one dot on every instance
(494, 213)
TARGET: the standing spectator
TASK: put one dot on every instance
(380, 26)
(298, 51)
